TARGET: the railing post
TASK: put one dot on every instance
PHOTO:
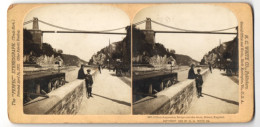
(151, 89)
(161, 86)
(38, 88)
(49, 87)
(54, 85)
(167, 84)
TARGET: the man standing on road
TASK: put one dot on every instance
(191, 74)
(210, 67)
(99, 68)
(89, 83)
(81, 74)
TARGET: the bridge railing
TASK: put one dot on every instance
(150, 83)
(65, 100)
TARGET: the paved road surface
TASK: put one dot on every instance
(72, 73)
(220, 96)
(183, 73)
(111, 95)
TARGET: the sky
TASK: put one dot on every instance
(191, 17)
(82, 17)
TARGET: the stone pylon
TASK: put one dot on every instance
(35, 23)
(149, 33)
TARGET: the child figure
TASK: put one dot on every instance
(199, 82)
(89, 83)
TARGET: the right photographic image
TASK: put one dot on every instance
(185, 60)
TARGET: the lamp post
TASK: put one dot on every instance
(171, 63)
(58, 62)
(171, 66)
(59, 65)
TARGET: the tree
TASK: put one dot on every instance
(202, 62)
(141, 46)
(47, 49)
(29, 47)
(60, 51)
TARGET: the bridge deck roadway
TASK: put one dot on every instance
(220, 95)
(111, 95)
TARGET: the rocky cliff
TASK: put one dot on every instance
(222, 54)
(72, 60)
(185, 60)
(116, 51)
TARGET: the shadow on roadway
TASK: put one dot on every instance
(233, 78)
(117, 101)
(123, 79)
(226, 100)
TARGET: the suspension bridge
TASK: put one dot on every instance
(148, 31)
(147, 21)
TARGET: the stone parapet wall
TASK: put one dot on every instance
(176, 99)
(65, 100)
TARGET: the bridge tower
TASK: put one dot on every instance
(36, 32)
(35, 23)
(149, 33)
(148, 25)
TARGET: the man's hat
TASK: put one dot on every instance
(88, 70)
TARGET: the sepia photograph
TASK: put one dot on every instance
(185, 60)
(76, 60)
(130, 63)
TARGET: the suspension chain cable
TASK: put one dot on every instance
(27, 22)
(186, 30)
(139, 23)
(69, 29)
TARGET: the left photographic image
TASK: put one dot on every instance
(77, 60)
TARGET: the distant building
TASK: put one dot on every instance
(36, 33)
